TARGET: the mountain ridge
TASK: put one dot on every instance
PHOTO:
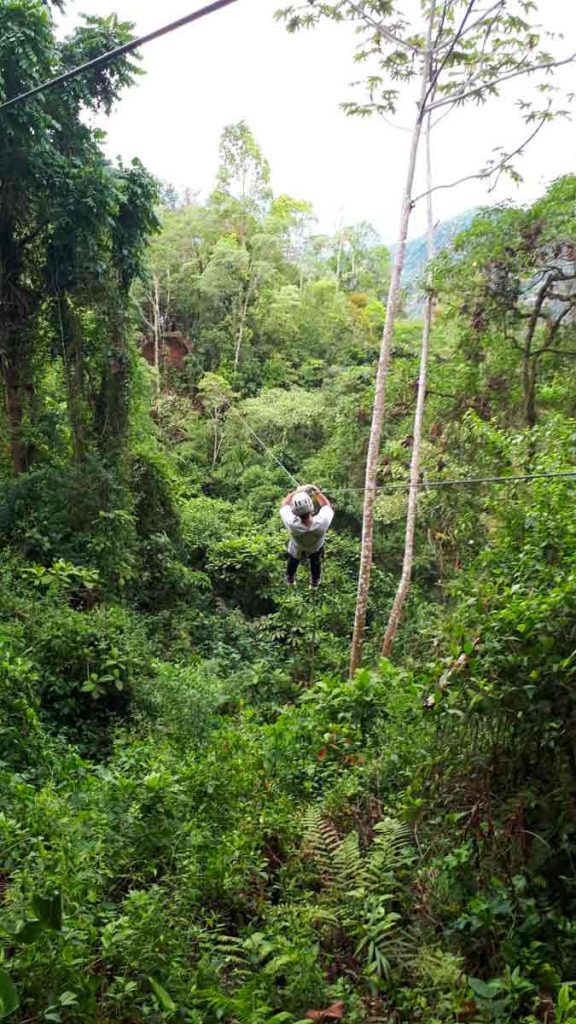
(416, 256)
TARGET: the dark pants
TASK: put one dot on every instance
(315, 565)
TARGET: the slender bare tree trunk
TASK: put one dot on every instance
(156, 330)
(383, 365)
(339, 253)
(406, 577)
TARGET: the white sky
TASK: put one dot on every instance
(240, 63)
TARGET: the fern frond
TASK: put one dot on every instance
(392, 835)
(217, 1001)
(318, 915)
(390, 848)
(321, 841)
(349, 865)
(311, 821)
(222, 945)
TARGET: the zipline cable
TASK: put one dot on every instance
(398, 485)
(466, 481)
(260, 441)
(107, 58)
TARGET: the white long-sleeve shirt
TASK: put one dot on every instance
(306, 540)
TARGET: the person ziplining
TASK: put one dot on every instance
(307, 530)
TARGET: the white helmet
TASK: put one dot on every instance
(302, 504)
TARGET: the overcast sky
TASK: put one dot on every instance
(240, 63)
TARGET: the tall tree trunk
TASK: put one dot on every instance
(111, 421)
(216, 443)
(156, 330)
(14, 411)
(73, 353)
(383, 365)
(339, 254)
(17, 305)
(529, 378)
(528, 362)
(408, 561)
(529, 370)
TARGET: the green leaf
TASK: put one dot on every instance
(9, 1001)
(29, 932)
(49, 910)
(68, 999)
(485, 990)
(165, 1000)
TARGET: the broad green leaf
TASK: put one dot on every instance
(49, 910)
(29, 932)
(165, 1000)
(485, 990)
(68, 999)
(9, 1001)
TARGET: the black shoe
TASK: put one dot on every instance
(314, 584)
(290, 581)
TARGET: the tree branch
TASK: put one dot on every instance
(33, 235)
(381, 28)
(533, 322)
(435, 46)
(515, 344)
(450, 51)
(555, 352)
(143, 315)
(459, 97)
(491, 10)
(558, 272)
(554, 330)
(489, 171)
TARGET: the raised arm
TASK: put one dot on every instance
(321, 498)
(287, 500)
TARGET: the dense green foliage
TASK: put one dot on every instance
(201, 818)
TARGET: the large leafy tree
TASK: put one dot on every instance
(244, 276)
(71, 227)
(360, 261)
(511, 277)
(241, 274)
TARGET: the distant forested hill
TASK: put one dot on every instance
(416, 257)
